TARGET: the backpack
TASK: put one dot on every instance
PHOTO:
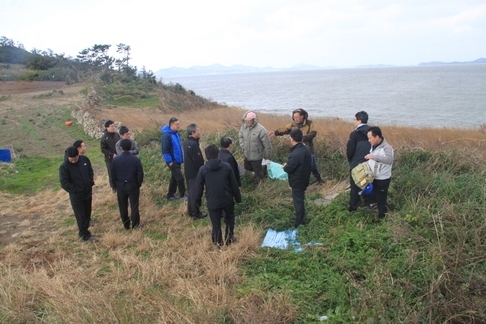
(363, 174)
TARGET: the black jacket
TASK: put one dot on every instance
(358, 146)
(226, 156)
(77, 178)
(193, 158)
(108, 144)
(298, 166)
(126, 168)
(220, 182)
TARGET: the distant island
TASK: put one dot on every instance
(221, 69)
(478, 61)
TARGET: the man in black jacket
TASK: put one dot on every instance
(193, 161)
(226, 156)
(356, 150)
(127, 176)
(108, 146)
(222, 192)
(298, 168)
(76, 177)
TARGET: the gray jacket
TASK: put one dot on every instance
(383, 155)
(254, 141)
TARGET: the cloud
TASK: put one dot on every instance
(258, 33)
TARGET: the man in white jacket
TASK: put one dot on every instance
(381, 153)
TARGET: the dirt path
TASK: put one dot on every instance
(20, 87)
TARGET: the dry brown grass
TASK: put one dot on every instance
(168, 272)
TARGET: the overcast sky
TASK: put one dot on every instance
(260, 33)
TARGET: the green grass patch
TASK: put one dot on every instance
(31, 174)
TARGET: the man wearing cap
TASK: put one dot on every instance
(125, 134)
(108, 146)
(300, 121)
(255, 143)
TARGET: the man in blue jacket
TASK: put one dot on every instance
(127, 176)
(76, 177)
(173, 157)
(298, 168)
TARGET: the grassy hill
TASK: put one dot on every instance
(424, 263)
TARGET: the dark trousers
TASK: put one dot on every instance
(176, 181)
(108, 167)
(298, 196)
(129, 192)
(380, 195)
(255, 166)
(215, 216)
(82, 212)
(193, 204)
(315, 171)
(355, 197)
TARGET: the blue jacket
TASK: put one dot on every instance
(171, 146)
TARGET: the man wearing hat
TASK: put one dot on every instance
(108, 146)
(255, 143)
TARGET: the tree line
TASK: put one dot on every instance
(66, 68)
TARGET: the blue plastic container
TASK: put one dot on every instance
(5, 155)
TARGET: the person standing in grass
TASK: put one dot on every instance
(356, 149)
(219, 182)
(300, 120)
(125, 134)
(173, 157)
(108, 146)
(127, 174)
(382, 153)
(193, 161)
(298, 167)
(226, 156)
(256, 145)
(76, 177)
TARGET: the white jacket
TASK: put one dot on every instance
(383, 155)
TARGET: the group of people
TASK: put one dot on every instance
(125, 174)
(219, 176)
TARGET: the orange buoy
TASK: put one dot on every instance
(68, 123)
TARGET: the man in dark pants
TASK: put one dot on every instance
(193, 160)
(76, 177)
(127, 175)
(173, 157)
(221, 193)
(298, 168)
(108, 146)
(356, 150)
(300, 120)
(226, 156)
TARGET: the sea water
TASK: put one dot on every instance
(437, 96)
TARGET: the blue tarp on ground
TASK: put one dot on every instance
(284, 240)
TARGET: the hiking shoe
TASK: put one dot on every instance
(200, 215)
(172, 197)
(184, 198)
(91, 239)
(139, 226)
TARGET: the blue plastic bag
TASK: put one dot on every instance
(276, 171)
